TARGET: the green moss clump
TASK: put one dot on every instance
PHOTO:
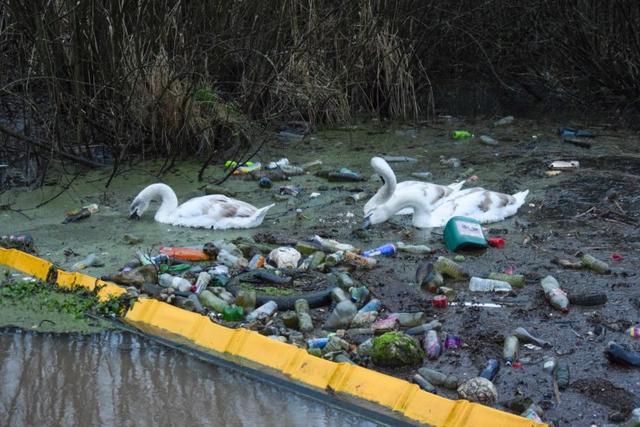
(396, 349)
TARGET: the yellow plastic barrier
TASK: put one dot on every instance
(40, 269)
(248, 348)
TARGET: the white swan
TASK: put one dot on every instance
(392, 189)
(435, 209)
(214, 211)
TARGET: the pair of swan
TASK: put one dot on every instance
(215, 211)
(433, 205)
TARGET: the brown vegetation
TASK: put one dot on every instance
(171, 77)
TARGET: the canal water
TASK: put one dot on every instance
(119, 379)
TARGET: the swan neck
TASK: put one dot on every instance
(390, 182)
(169, 201)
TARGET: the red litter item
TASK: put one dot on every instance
(496, 242)
(509, 271)
(517, 364)
(440, 301)
(616, 257)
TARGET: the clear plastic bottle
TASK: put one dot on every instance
(341, 316)
(231, 260)
(169, 281)
(203, 280)
(212, 302)
(478, 284)
(262, 312)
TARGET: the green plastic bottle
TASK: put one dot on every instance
(232, 313)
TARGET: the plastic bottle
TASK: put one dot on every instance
(423, 383)
(169, 281)
(490, 369)
(461, 134)
(478, 284)
(332, 245)
(246, 299)
(185, 254)
(262, 312)
(257, 261)
(424, 328)
(450, 268)
(533, 412)
(212, 302)
(617, 353)
(504, 121)
(305, 323)
(438, 378)
(413, 249)
(315, 260)
(372, 305)
(359, 295)
(337, 295)
(202, 282)
(292, 170)
(556, 296)
(515, 280)
(341, 316)
(487, 140)
(594, 264)
(334, 258)
(409, 320)
(91, 260)
(432, 345)
(317, 342)
(274, 165)
(359, 260)
(230, 260)
(523, 335)
(232, 313)
(562, 374)
(510, 349)
(386, 250)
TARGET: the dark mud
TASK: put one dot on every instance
(595, 209)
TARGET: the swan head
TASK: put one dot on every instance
(375, 216)
(138, 207)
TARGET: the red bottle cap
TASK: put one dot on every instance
(440, 301)
(616, 257)
(496, 242)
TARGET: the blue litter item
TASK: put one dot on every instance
(575, 133)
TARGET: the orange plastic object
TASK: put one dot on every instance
(185, 254)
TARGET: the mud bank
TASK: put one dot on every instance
(594, 209)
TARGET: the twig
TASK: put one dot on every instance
(38, 144)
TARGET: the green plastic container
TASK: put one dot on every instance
(464, 233)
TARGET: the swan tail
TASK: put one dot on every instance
(456, 186)
(258, 217)
(520, 197)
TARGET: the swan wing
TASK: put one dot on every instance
(216, 206)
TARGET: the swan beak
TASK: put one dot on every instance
(134, 215)
(366, 223)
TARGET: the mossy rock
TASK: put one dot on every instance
(396, 349)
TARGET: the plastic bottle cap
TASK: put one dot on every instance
(440, 301)
(496, 242)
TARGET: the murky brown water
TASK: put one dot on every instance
(119, 379)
